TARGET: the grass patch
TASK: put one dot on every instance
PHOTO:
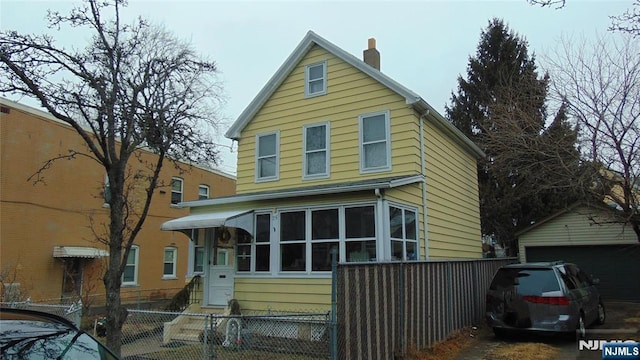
(528, 351)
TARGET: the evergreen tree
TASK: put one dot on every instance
(501, 106)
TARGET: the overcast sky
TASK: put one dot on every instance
(424, 45)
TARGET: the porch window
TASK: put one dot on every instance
(169, 263)
(261, 247)
(293, 241)
(325, 235)
(360, 230)
(403, 233)
(130, 273)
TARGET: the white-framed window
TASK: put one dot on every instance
(198, 252)
(302, 240)
(203, 192)
(315, 79)
(375, 142)
(176, 190)
(255, 256)
(130, 273)
(315, 142)
(267, 156)
(403, 232)
(169, 263)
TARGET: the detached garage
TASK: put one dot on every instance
(585, 235)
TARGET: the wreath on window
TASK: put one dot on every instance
(224, 235)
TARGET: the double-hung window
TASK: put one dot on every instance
(260, 248)
(176, 190)
(130, 273)
(403, 233)
(203, 192)
(375, 143)
(315, 79)
(169, 263)
(316, 151)
(325, 235)
(267, 156)
(198, 252)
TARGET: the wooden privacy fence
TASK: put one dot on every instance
(385, 308)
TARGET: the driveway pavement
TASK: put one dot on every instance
(623, 323)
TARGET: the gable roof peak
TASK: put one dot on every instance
(311, 39)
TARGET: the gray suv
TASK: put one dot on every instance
(546, 297)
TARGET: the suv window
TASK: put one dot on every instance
(526, 281)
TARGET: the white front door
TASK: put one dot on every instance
(220, 278)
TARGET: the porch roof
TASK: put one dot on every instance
(78, 252)
(206, 220)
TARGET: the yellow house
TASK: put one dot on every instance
(48, 249)
(333, 154)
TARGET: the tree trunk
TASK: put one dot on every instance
(116, 314)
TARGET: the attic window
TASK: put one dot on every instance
(315, 79)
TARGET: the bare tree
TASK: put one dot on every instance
(135, 86)
(628, 22)
(600, 83)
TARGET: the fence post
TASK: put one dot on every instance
(449, 299)
(334, 304)
(401, 314)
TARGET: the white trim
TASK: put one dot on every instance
(310, 39)
(205, 187)
(310, 191)
(403, 208)
(387, 141)
(136, 266)
(326, 150)
(177, 178)
(174, 274)
(307, 80)
(276, 175)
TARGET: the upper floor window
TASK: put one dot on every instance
(316, 151)
(169, 262)
(130, 273)
(375, 144)
(403, 233)
(176, 190)
(315, 79)
(267, 156)
(203, 192)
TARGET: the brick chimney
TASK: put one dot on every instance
(371, 56)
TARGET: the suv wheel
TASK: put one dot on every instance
(581, 329)
(602, 314)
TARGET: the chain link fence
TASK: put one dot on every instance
(173, 335)
(148, 334)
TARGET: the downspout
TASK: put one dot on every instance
(380, 228)
(423, 160)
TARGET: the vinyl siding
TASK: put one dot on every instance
(575, 228)
(302, 294)
(350, 93)
(452, 198)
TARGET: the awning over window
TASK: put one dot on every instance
(78, 252)
(238, 218)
